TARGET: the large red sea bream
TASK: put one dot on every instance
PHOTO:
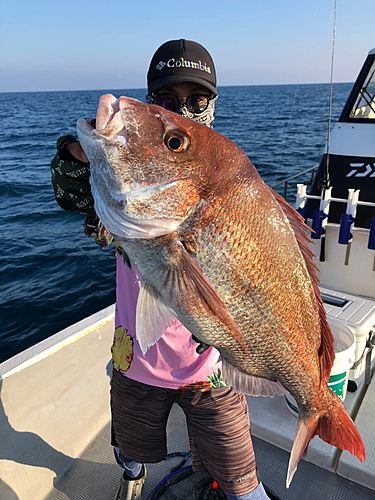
(220, 251)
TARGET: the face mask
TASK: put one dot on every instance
(205, 118)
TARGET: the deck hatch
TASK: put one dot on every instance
(334, 301)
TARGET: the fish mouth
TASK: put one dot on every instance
(86, 131)
(111, 200)
(109, 123)
(85, 127)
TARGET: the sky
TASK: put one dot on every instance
(94, 45)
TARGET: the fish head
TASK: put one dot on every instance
(150, 168)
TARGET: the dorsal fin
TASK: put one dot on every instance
(326, 350)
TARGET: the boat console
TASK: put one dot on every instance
(351, 158)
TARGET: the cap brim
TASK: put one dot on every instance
(170, 80)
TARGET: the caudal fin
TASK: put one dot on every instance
(334, 426)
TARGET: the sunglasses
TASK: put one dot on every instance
(196, 103)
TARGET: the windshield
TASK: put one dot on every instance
(364, 106)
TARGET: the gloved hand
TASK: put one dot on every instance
(70, 176)
(202, 346)
(94, 226)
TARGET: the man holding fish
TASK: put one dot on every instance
(149, 377)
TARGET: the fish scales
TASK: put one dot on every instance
(255, 251)
(254, 316)
(219, 250)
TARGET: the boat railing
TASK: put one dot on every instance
(286, 181)
(320, 216)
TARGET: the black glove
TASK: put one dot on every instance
(93, 226)
(70, 178)
(202, 346)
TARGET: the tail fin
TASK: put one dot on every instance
(335, 427)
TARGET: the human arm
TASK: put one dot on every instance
(70, 176)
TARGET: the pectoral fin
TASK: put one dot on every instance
(153, 317)
(184, 279)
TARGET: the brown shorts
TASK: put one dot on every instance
(218, 428)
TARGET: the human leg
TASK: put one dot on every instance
(257, 494)
(139, 416)
(220, 440)
(132, 468)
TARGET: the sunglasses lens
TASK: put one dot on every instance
(197, 103)
(167, 101)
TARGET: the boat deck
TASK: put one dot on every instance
(55, 435)
(95, 474)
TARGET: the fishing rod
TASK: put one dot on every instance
(324, 184)
(327, 180)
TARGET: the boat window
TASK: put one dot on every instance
(364, 106)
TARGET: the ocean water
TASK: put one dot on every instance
(51, 275)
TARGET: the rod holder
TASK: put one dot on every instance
(318, 231)
(303, 211)
(371, 238)
(345, 236)
(301, 196)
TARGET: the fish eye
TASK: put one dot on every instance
(176, 142)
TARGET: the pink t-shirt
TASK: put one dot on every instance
(172, 362)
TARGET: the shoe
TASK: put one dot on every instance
(131, 488)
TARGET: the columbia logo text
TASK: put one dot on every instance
(182, 63)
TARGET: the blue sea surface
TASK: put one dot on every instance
(51, 274)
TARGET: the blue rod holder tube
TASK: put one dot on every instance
(318, 218)
(345, 226)
(371, 238)
(303, 211)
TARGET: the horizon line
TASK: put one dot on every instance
(145, 89)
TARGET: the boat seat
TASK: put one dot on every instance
(365, 112)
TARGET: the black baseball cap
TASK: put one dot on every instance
(181, 61)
